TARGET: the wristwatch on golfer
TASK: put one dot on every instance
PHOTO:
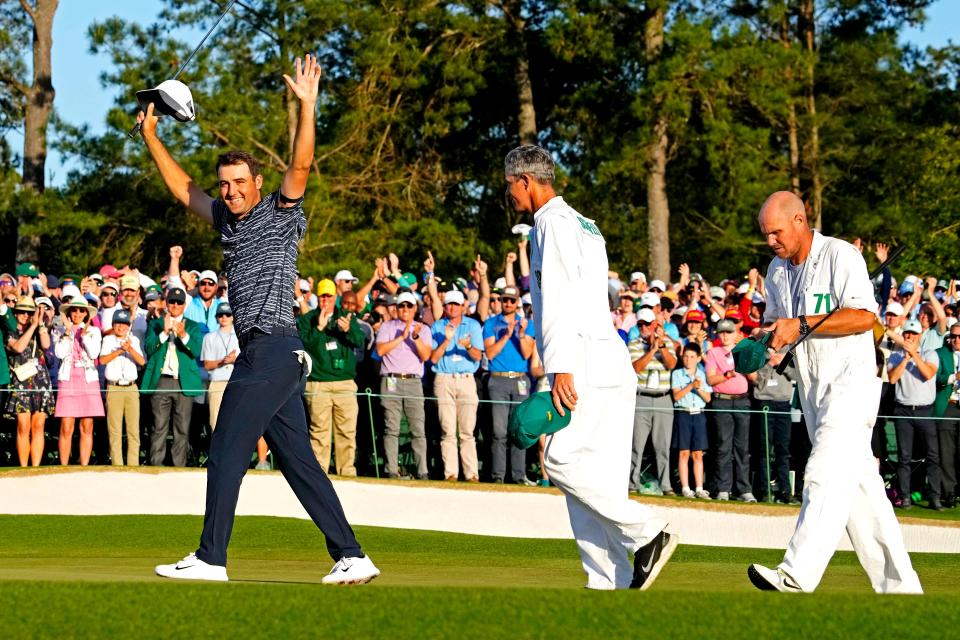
(804, 327)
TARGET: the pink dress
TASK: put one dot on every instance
(77, 398)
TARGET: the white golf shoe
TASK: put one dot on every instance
(767, 579)
(352, 571)
(192, 568)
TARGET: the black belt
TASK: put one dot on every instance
(257, 332)
(914, 407)
(119, 384)
(167, 375)
(655, 395)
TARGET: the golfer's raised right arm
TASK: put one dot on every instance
(178, 182)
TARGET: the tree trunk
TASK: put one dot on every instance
(38, 105)
(526, 114)
(658, 207)
(792, 138)
(807, 27)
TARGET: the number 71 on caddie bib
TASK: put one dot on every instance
(817, 303)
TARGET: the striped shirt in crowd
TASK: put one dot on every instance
(655, 378)
(260, 260)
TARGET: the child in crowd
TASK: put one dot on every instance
(691, 393)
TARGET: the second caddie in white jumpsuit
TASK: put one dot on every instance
(840, 395)
(589, 369)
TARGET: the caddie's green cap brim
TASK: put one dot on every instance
(534, 417)
(750, 355)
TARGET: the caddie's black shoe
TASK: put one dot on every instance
(935, 505)
(650, 559)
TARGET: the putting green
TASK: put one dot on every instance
(92, 576)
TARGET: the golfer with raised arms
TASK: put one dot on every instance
(260, 237)
(590, 374)
(840, 394)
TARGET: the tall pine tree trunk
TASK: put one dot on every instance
(38, 105)
(807, 28)
(792, 138)
(526, 114)
(658, 207)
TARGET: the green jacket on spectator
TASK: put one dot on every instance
(331, 349)
(190, 382)
(8, 325)
(944, 370)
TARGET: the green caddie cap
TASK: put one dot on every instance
(534, 417)
(750, 354)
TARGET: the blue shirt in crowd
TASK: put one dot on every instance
(669, 329)
(680, 378)
(207, 318)
(509, 358)
(455, 359)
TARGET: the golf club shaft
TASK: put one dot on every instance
(136, 128)
(788, 356)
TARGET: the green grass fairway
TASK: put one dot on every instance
(93, 577)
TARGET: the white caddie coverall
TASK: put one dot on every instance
(589, 460)
(840, 395)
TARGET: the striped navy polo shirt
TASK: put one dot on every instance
(260, 260)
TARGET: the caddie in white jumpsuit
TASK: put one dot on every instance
(589, 460)
(840, 395)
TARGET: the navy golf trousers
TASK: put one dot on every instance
(264, 398)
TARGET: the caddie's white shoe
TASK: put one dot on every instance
(767, 579)
(352, 571)
(192, 568)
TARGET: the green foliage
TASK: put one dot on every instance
(419, 106)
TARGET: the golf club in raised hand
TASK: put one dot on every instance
(172, 97)
(788, 356)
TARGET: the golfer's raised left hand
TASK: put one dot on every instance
(306, 81)
(564, 393)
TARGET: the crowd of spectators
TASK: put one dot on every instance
(445, 359)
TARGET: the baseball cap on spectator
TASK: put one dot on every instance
(649, 299)
(733, 314)
(695, 315)
(96, 277)
(224, 309)
(679, 311)
(27, 269)
(304, 285)
(717, 293)
(895, 308)
(669, 295)
(499, 283)
(726, 326)
(637, 276)
(743, 288)
(510, 292)
(344, 274)
(208, 274)
(92, 299)
(913, 326)
(906, 287)
(658, 284)
(130, 282)
(453, 297)
(407, 296)
(44, 300)
(121, 316)
(646, 315)
(696, 277)
(70, 278)
(326, 287)
(176, 294)
(407, 280)
(941, 284)
(70, 291)
(388, 299)
(153, 292)
(628, 294)
(758, 299)
(110, 285)
(461, 283)
(526, 298)
(109, 271)
(53, 282)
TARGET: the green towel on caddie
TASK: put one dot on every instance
(750, 355)
(534, 417)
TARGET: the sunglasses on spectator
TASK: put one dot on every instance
(6, 283)
(18, 312)
(176, 302)
(326, 295)
(10, 300)
(207, 283)
(405, 305)
(510, 300)
(955, 336)
(108, 292)
(644, 324)
(224, 315)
